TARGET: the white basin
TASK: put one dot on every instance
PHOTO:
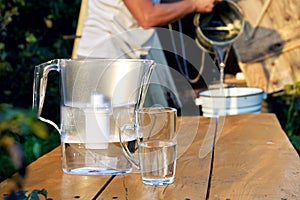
(229, 101)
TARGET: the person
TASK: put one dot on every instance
(126, 29)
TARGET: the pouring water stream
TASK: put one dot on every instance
(217, 31)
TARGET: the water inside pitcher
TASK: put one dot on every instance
(97, 97)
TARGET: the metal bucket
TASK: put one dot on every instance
(220, 27)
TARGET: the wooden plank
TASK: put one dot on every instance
(47, 173)
(192, 172)
(269, 55)
(80, 23)
(255, 160)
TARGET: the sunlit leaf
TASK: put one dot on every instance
(37, 149)
(39, 129)
(6, 141)
(30, 38)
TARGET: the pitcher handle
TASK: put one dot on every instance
(39, 88)
(127, 131)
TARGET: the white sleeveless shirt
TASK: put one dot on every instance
(110, 31)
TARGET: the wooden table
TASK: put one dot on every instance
(252, 159)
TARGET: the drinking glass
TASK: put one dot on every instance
(155, 132)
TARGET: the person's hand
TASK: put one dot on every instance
(149, 14)
(204, 6)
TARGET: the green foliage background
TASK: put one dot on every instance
(286, 106)
(32, 32)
